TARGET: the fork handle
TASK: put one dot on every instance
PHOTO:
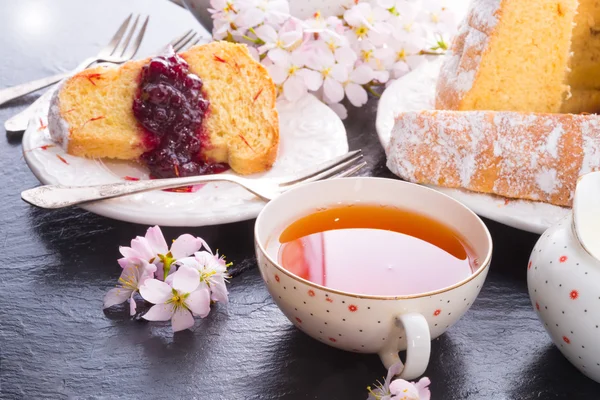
(17, 91)
(14, 92)
(57, 196)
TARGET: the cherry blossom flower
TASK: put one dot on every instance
(212, 273)
(353, 88)
(225, 17)
(180, 302)
(368, 23)
(288, 37)
(333, 75)
(400, 389)
(132, 277)
(388, 37)
(153, 248)
(288, 69)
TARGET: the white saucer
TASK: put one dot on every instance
(416, 91)
(310, 133)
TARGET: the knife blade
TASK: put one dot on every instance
(19, 122)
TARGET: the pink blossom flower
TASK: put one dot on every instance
(153, 248)
(357, 94)
(403, 390)
(368, 23)
(212, 273)
(400, 389)
(179, 302)
(132, 277)
(288, 69)
(289, 36)
(332, 73)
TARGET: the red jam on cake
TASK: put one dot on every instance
(170, 107)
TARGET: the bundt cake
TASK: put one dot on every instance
(534, 156)
(185, 114)
(530, 56)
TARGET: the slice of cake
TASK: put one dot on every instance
(533, 156)
(514, 55)
(181, 115)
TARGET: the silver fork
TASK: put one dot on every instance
(57, 196)
(185, 41)
(117, 51)
(19, 122)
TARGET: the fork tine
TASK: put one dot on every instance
(123, 45)
(138, 40)
(350, 171)
(125, 42)
(112, 45)
(337, 169)
(175, 42)
(184, 44)
(320, 168)
(192, 44)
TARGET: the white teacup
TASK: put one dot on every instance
(364, 323)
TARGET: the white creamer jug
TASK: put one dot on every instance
(564, 279)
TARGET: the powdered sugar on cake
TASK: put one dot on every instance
(519, 155)
(459, 71)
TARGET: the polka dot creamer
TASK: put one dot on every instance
(564, 287)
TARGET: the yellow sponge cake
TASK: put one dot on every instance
(180, 114)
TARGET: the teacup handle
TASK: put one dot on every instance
(418, 347)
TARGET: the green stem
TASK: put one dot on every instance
(255, 41)
(372, 91)
(430, 53)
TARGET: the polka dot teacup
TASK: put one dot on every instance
(383, 325)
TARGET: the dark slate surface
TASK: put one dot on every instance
(57, 343)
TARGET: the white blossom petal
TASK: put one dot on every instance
(159, 312)
(254, 53)
(266, 33)
(278, 74)
(185, 245)
(340, 110)
(278, 54)
(356, 94)
(182, 319)
(312, 79)
(282, 59)
(339, 72)
(186, 279)
(333, 90)
(157, 240)
(128, 252)
(199, 301)
(294, 88)
(218, 289)
(132, 306)
(362, 75)
(251, 17)
(345, 55)
(189, 262)
(142, 247)
(116, 296)
(290, 38)
(155, 291)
